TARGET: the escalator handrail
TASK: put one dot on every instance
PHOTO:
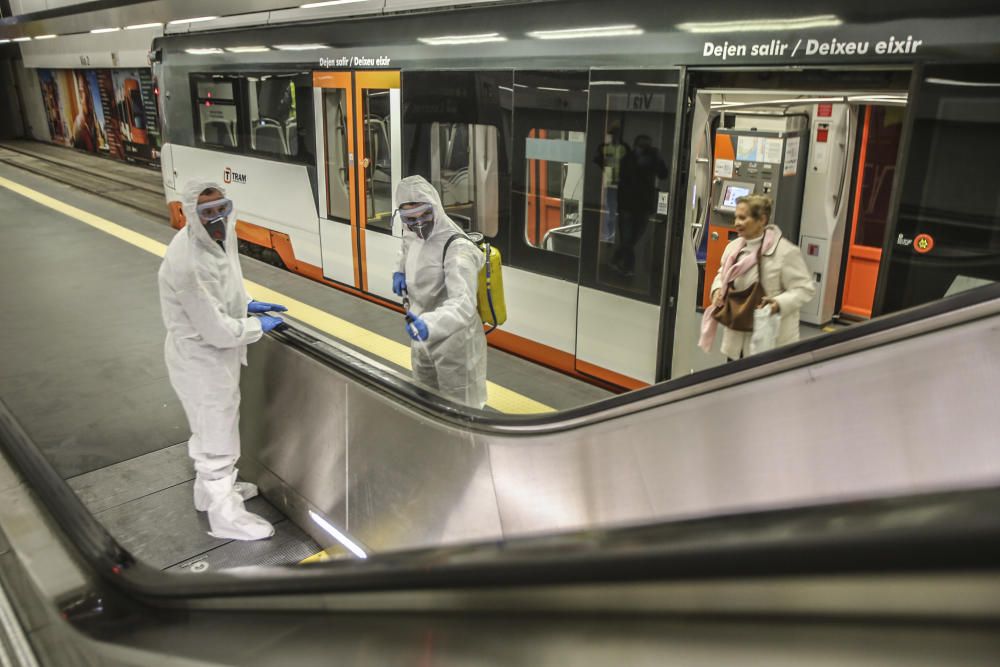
(952, 311)
(942, 532)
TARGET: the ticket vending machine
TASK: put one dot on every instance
(760, 154)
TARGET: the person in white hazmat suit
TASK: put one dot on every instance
(205, 309)
(448, 348)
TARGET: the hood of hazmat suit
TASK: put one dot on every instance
(204, 308)
(453, 358)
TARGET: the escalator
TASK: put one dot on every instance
(833, 501)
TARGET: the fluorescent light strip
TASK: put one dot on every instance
(143, 26)
(956, 82)
(450, 40)
(337, 535)
(4, 41)
(607, 83)
(555, 90)
(300, 47)
(45, 37)
(596, 31)
(791, 101)
(763, 25)
(657, 85)
(197, 19)
(247, 49)
(328, 3)
(203, 52)
(22, 39)
(98, 31)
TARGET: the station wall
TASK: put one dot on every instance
(111, 112)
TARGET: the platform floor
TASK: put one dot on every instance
(83, 369)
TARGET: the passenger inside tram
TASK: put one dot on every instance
(639, 169)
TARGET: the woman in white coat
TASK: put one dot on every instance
(782, 272)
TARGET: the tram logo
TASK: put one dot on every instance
(230, 176)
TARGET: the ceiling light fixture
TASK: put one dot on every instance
(247, 49)
(98, 31)
(4, 41)
(451, 40)
(197, 19)
(763, 25)
(328, 3)
(22, 39)
(956, 82)
(300, 47)
(595, 31)
(143, 26)
(45, 37)
(203, 52)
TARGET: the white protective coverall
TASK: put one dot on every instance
(204, 307)
(453, 358)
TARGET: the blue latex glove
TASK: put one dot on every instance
(398, 282)
(416, 327)
(264, 307)
(268, 322)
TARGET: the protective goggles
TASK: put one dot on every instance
(416, 215)
(213, 210)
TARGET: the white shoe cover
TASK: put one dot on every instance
(247, 490)
(228, 517)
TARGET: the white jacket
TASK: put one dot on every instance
(443, 294)
(204, 307)
(785, 278)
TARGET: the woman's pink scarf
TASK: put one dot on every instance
(730, 270)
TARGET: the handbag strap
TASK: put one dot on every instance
(760, 259)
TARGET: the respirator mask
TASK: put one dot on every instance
(214, 216)
(419, 219)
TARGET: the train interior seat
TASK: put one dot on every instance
(292, 136)
(268, 135)
(220, 133)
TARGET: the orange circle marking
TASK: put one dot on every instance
(923, 244)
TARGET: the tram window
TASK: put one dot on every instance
(453, 136)
(280, 112)
(216, 112)
(554, 176)
(631, 127)
(378, 159)
(464, 170)
(337, 162)
(548, 149)
(947, 236)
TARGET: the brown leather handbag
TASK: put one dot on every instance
(736, 312)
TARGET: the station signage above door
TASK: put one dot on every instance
(802, 47)
(355, 62)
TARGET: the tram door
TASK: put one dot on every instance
(881, 130)
(630, 147)
(358, 166)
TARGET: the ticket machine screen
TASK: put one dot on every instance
(734, 192)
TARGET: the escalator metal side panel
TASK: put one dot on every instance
(911, 417)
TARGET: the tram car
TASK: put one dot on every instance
(601, 147)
